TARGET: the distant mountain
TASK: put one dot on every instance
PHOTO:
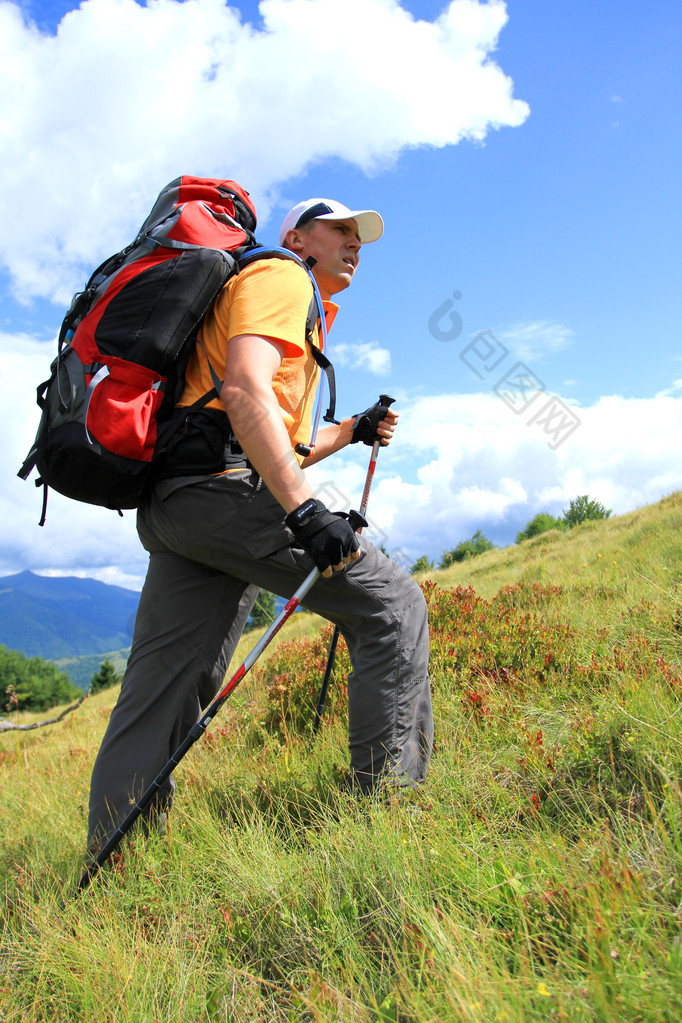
(73, 622)
(64, 617)
(81, 669)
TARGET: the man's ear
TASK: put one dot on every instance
(294, 241)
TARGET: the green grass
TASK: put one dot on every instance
(536, 876)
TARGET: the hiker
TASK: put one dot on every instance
(215, 538)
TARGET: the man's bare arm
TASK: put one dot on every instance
(251, 364)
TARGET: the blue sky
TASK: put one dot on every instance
(552, 237)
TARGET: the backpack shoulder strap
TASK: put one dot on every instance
(321, 359)
(315, 316)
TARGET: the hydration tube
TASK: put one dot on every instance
(320, 386)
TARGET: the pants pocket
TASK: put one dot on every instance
(271, 540)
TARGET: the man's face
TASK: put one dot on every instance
(335, 245)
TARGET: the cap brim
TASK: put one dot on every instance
(370, 224)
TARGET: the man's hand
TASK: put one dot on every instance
(327, 537)
(376, 423)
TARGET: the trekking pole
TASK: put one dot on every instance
(93, 868)
(322, 698)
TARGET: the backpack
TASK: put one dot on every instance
(107, 407)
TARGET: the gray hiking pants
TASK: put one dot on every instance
(213, 543)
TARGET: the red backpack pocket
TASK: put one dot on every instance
(122, 403)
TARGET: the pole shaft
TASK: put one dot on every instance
(331, 653)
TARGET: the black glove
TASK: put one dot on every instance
(327, 537)
(367, 422)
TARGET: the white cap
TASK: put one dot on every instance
(370, 224)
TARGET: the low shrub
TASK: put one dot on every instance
(292, 677)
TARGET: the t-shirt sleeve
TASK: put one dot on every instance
(270, 298)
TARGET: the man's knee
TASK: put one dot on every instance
(415, 623)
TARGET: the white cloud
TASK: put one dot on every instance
(97, 118)
(363, 356)
(674, 388)
(532, 341)
(465, 462)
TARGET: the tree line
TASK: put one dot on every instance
(581, 509)
(32, 683)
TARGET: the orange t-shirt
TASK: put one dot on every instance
(269, 298)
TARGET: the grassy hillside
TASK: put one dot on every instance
(637, 553)
(536, 876)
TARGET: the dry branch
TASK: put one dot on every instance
(7, 726)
